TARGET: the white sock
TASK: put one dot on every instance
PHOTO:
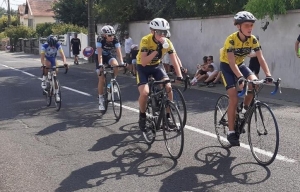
(229, 132)
(44, 77)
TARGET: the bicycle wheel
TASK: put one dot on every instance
(106, 95)
(57, 103)
(150, 133)
(48, 95)
(116, 99)
(263, 134)
(221, 120)
(173, 131)
(179, 101)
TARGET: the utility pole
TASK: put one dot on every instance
(91, 27)
(8, 13)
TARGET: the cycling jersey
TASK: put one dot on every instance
(51, 52)
(108, 47)
(239, 48)
(148, 45)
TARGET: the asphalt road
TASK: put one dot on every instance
(78, 149)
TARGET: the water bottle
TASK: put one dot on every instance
(242, 111)
(49, 76)
(165, 44)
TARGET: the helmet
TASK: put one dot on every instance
(160, 24)
(51, 40)
(108, 30)
(244, 16)
(168, 34)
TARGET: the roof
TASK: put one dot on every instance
(39, 8)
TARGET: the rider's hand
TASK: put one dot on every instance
(241, 82)
(269, 79)
(100, 65)
(159, 50)
(179, 79)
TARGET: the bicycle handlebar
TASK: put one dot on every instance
(111, 67)
(186, 81)
(55, 67)
(259, 82)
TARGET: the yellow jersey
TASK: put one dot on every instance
(239, 48)
(148, 45)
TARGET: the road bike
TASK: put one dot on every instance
(262, 129)
(52, 83)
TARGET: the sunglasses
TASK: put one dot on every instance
(110, 35)
(208, 59)
(161, 32)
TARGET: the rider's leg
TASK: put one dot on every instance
(250, 76)
(113, 62)
(101, 81)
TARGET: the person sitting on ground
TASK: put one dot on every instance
(201, 71)
(211, 76)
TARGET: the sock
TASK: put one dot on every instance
(44, 77)
(229, 132)
(168, 115)
(143, 115)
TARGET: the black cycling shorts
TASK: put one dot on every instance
(229, 77)
(143, 73)
(106, 59)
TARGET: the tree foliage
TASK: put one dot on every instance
(263, 8)
(46, 29)
(20, 31)
(71, 11)
(4, 22)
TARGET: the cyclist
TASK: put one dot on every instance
(236, 47)
(105, 47)
(48, 58)
(152, 47)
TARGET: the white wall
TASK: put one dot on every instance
(195, 38)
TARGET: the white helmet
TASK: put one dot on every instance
(159, 24)
(243, 16)
(168, 34)
(108, 30)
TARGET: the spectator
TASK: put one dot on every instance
(128, 44)
(133, 53)
(201, 71)
(75, 47)
(254, 65)
(297, 49)
(211, 75)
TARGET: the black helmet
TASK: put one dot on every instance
(244, 16)
(51, 40)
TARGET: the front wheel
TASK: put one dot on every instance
(179, 101)
(263, 134)
(116, 100)
(221, 120)
(173, 130)
(57, 102)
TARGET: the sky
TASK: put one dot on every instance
(13, 3)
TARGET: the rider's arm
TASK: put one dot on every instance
(263, 63)
(118, 50)
(62, 54)
(176, 65)
(99, 50)
(43, 58)
(233, 65)
(145, 58)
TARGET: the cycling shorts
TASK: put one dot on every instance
(229, 77)
(143, 73)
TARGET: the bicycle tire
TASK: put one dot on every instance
(105, 96)
(116, 99)
(178, 129)
(258, 113)
(48, 97)
(57, 103)
(220, 124)
(179, 100)
(150, 133)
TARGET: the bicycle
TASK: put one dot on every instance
(51, 81)
(257, 113)
(112, 91)
(157, 106)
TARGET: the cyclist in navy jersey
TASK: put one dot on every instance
(105, 47)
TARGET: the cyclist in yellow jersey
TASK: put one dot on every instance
(152, 48)
(236, 47)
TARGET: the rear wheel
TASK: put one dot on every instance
(116, 99)
(173, 131)
(221, 120)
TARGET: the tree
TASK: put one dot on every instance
(4, 22)
(2, 11)
(263, 8)
(21, 31)
(74, 12)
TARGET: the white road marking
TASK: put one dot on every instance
(263, 152)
